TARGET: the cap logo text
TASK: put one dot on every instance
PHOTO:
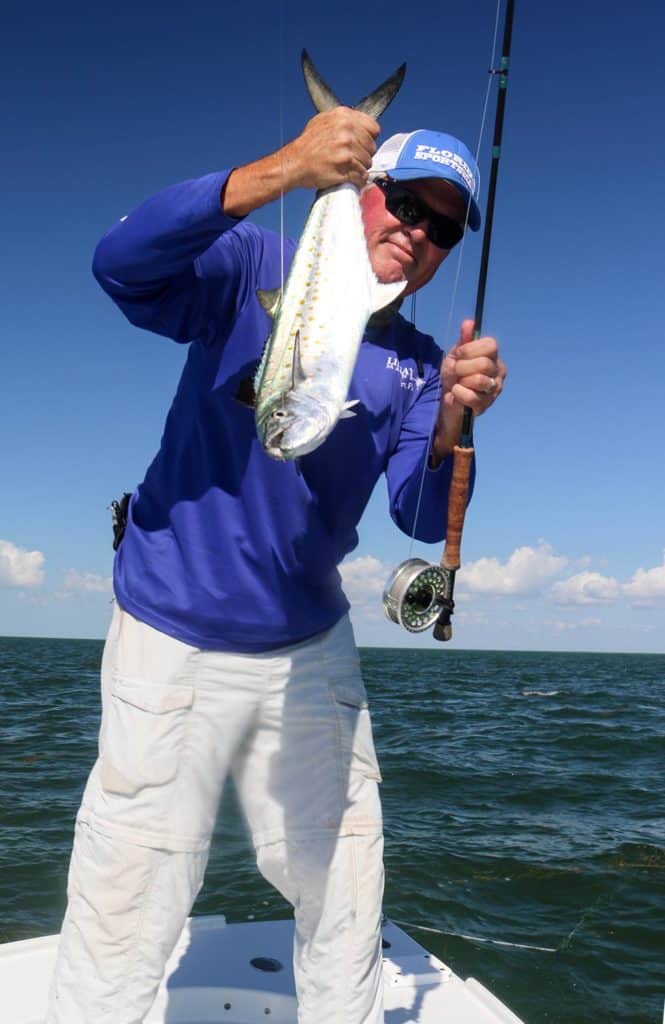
(450, 159)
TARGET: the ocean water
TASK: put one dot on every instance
(524, 805)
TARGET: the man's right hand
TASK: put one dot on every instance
(336, 146)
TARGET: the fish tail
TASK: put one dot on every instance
(377, 101)
(324, 98)
(321, 94)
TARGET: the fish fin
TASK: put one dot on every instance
(297, 373)
(246, 393)
(377, 101)
(321, 94)
(347, 409)
(384, 294)
(269, 300)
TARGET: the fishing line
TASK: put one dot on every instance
(483, 120)
(456, 280)
(281, 146)
(587, 913)
(478, 938)
(564, 945)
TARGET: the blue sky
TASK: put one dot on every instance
(563, 545)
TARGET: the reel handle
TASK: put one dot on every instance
(443, 630)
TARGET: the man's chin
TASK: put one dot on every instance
(390, 272)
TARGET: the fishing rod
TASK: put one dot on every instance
(418, 594)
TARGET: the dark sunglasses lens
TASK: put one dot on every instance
(443, 231)
(405, 206)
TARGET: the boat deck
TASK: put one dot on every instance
(242, 974)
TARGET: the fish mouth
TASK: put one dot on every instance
(279, 445)
(298, 424)
(272, 441)
(294, 449)
(293, 435)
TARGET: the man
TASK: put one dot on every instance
(230, 648)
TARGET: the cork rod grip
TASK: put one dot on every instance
(457, 501)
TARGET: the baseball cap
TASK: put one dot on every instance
(428, 154)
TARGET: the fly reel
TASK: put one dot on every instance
(416, 594)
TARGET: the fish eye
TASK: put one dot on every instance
(278, 413)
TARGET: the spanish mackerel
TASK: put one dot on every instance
(302, 383)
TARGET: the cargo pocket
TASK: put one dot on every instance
(355, 730)
(143, 734)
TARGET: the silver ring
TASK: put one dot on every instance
(492, 388)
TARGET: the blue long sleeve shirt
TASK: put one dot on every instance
(226, 548)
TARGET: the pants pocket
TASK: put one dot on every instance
(355, 729)
(142, 734)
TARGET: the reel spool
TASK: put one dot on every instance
(415, 594)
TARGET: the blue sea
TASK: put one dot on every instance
(524, 806)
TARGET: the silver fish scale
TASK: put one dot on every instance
(301, 293)
(328, 298)
(316, 289)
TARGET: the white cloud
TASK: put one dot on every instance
(20, 568)
(76, 583)
(562, 627)
(646, 584)
(525, 571)
(526, 574)
(586, 588)
(363, 579)
(644, 587)
(472, 618)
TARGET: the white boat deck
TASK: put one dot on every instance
(211, 978)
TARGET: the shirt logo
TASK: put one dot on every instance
(409, 381)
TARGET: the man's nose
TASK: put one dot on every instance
(417, 231)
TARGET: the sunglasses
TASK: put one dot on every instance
(443, 231)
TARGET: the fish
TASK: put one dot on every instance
(319, 318)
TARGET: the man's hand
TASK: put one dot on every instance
(334, 147)
(472, 374)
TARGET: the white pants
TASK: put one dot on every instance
(293, 728)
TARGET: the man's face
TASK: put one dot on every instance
(398, 252)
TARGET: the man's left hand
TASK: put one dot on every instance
(472, 374)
